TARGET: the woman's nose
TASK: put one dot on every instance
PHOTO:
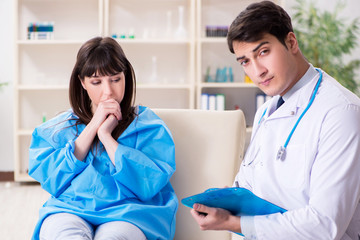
(107, 90)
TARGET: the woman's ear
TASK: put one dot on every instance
(82, 82)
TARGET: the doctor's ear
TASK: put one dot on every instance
(291, 42)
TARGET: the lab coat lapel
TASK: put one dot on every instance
(288, 109)
(294, 105)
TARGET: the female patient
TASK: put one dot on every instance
(106, 163)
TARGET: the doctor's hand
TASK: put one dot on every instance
(210, 218)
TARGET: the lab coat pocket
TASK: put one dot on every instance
(291, 170)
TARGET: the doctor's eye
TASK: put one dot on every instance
(264, 52)
(244, 62)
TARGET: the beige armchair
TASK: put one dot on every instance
(209, 147)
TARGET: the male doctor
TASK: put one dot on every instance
(314, 173)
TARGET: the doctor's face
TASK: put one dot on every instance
(268, 63)
(102, 88)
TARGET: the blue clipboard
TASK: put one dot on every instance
(239, 201)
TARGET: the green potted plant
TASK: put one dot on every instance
(2, 84)
(325, 39)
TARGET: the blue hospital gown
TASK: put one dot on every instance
(137, 189)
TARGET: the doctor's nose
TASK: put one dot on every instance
(259, 70)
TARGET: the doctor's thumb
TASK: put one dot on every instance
(200, 208)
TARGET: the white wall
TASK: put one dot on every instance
(6, 94)
(6, 70)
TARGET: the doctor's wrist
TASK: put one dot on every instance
(234, 224)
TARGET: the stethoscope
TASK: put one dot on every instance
(281, 154)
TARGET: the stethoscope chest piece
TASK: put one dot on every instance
(281, 154)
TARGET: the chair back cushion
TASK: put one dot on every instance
(209, 147)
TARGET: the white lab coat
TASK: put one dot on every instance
(319, 181)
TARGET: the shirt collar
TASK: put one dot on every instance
(307, 77)
(294, 92)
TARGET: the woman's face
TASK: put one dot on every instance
(102, 88)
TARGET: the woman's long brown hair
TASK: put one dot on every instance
(102, 56)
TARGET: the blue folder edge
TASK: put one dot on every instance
(239, 201)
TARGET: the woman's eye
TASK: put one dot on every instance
(95, 83)
(116, 80)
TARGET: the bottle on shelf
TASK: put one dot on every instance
(180, 32)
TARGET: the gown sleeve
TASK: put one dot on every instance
(146, 165)
(51, 160)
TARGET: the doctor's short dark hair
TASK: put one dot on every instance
(258, 19)
(102, 56)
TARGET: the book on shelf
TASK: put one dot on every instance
(213, 102)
